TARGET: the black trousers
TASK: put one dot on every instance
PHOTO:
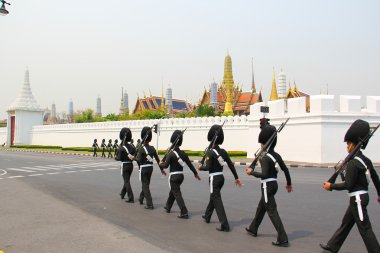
(216, 201)
(110, 153)
(95, 154)
(365, 228)
(271, 209)
(146, 174)
(126, 172)
(103, 155)
(175, 193)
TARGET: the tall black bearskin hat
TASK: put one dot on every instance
(264, 122)
(110, 140)
(146, 130)
(175, 134)
(125, 133)
(104, 140)
(266, 133)
(212, 131)
(357, 131)
(95, 140)
(116, 141)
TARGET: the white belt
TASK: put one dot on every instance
(143, 166)
(211, 175)
(173, 173)
(358, 201)
(264, 182)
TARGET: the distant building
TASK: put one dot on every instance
(98, 112)
(70, 113)
(228, 93)
(169, 101)
(124, 108)
(155, 103)
(51, 116)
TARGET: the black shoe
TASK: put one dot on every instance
(141, 201)
(281, 244)
(167, 209)
(149, 207)
(130, 201)
(224, 229)
(121, 196)
(250, 232)
(327, 247)
(205, 219)
(183, 216)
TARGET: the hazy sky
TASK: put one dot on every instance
(79, 49)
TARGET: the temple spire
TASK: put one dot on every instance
(273, 94)
(253, 80)
(228, 83)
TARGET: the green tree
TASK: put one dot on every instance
(85, 116)
(204, 111)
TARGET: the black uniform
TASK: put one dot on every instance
(173, 159)
(355, 181)
(115, 147)
(216, 181)
(267, 203)
(109, 146)
(103, 146)
(124, 155)
(95, 146)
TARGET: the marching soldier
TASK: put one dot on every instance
(124, 155)
(115, 147)
(95, 146)
(269, 187)
(356, 183)
(145, 157)
(103, 146)
(109, 147)
(176, 159)
(215, 159)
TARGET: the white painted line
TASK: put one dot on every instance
(113, 168)
(70, 171)
(15, 176)
(34, 168)
(98, 169)
(36, 175)
(14, 169)
(4, 172)
(54, 173)
(84, 170)
(46, 168)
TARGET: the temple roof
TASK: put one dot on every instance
(154, 103)
(25, 100)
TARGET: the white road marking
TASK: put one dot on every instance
(70, 171)
(4, 172)
(15, 176)
(53, 173)
(36, 175)
(33, 168)
(22, 170)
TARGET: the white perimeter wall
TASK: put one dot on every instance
(3, 135)
(315, 137)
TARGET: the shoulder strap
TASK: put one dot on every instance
(126, 149)
(176, 154)
(271, 157)
(216, 152)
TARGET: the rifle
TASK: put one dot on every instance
(212, 143)
(341, 166)
(173, 145)
(260, 153)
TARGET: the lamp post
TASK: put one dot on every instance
(3, 11)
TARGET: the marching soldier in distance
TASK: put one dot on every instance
(176, 159)
(215, 159)
(356, 183)
(116, 147)
(109, 147)
(124, 155)
(103, 146)
(145, 157)
(95, 146)
(269, 187)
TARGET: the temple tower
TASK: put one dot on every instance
(273, 94)
(228, 83)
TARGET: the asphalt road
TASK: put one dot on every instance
(58, 203)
